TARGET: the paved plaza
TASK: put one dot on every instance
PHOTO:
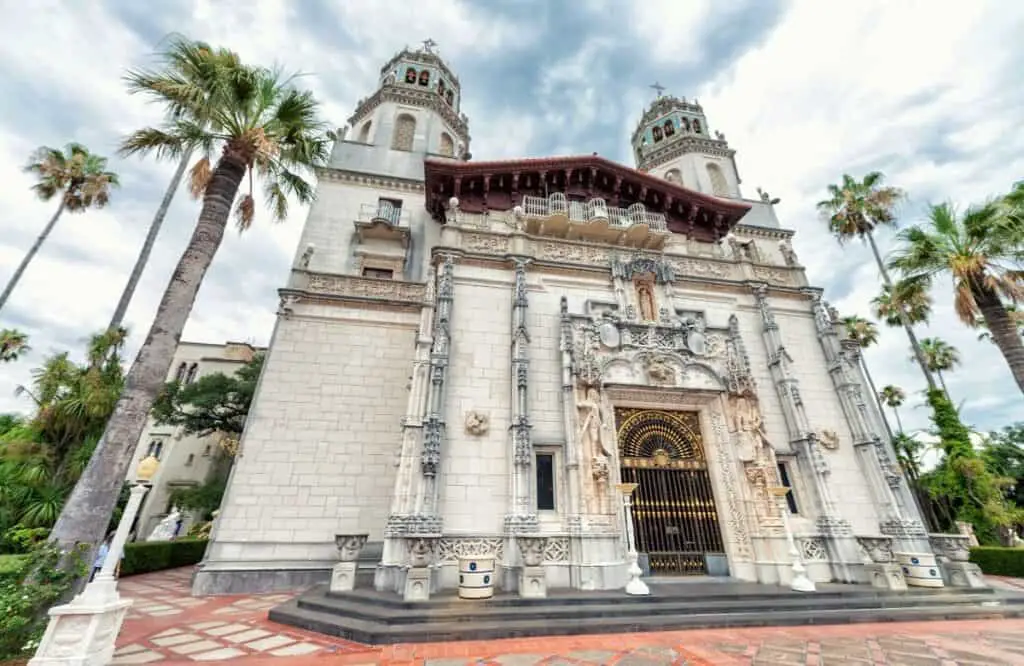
(169, 627)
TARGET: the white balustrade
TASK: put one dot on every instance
(384, 212)
(593, 210)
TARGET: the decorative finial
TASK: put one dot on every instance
(428, 45)
(658, 88)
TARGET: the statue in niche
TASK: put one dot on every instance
(591, 435)
(749, 426)
(645, 299)
(765, 505)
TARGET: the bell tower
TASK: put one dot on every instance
(673, 141)
(414, 113)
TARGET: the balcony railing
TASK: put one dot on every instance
(384, 213)
(595, 210)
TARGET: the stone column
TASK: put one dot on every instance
(521, 517)
(405, 517)
(571, 447)
(837, 530)
(900, 517)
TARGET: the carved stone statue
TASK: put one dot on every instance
(349, 546)
(788, 255)
(421, 551)
(645, 298)
(532, 549)
(749, 426)
(167, 528)
(477, 423)
(307, 254)
(592, 424)
(661, 373)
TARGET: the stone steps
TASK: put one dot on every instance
(377, 618)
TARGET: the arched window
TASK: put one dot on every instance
(684, 124)
(670, 129)
(191, 376)
(364, 132)
(696, 126)
(389, 79)
(449, 97)
(656, 133)
(425, 78)
(719, 186)
(410, 75)
(155, 448)
(674, 176)
(405, 132)
(441, 88)
(447, 147)
(179, 375)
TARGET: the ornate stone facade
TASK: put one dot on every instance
(494, 400)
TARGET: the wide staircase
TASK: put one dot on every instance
(372, 617)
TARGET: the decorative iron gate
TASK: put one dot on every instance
(674, 516)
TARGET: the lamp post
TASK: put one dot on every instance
(635, 586)
(800, 582)
(84, 631)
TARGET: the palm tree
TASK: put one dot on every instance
(81, 181)
(865, 333)
(185, 63)
(1015, 314)
(855, 209)
(13, 343)
(941, 357)
(914, 301)
(255, 123)
(981, 250)
(894, 397)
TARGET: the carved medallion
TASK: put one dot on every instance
(609, 335)
(695, 342)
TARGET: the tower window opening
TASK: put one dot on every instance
(410, 75)
(685, 124)
(364, 132)
(191, 376)
(670, 128)
(696, 126)
(450, 98)
(656, 133)
(441, 87)
(425, 78)
(447, 145)
(405, 132)
(179, 376)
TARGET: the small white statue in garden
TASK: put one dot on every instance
(167, 528)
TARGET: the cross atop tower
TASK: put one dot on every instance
(428, 45)
(658, 88)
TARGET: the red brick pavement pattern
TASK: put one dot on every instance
(166, 626)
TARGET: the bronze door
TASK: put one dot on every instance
(674, 516)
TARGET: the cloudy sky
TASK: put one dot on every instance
(928, 91)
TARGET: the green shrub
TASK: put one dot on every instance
(34, 583)
(998, 561)
(147, 556)
(11, 566)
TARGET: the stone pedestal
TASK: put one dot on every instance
(962, 574)
(886, 575)
(533, 583)
(343, 577)
(83, 632)
(417, 584)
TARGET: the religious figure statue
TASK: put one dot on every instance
(749, 426)
(592, 425)
(167, 528)
(645, 296)
(307, 254)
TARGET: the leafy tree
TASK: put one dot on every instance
(214, 403)
(1003, 453)
(187, 64)
(245, 122)
(856, 209)
(13, 344)
(940, 357)
(912, 300)
(893, 397)
(981, 250)
(75, 175)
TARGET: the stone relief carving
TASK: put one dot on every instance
(747, 423)
(341, 285)
(531, 549)
(485, 243)
(421, 551)
(742, 550)
(772, 275)
(627, 269)
(660, 373)
(766, 507)
(450, 549)
(349, 546)
(477, 423)
(307, 255)
(876, 549)
(954, 547)
(813, 549)
(788, 254)
(829, 439)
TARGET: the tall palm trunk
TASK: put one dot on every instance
(1001, 327)
(13, 282)
(942, 382)
(87, 511)
(899, 422)
(874, 393)
(147, 246)
(914, 343)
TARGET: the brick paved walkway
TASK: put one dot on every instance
(168, 627)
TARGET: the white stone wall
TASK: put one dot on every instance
(319, 449)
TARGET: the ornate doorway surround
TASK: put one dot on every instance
(674, 515)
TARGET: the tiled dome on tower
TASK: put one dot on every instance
(415, 107)
(672, 141)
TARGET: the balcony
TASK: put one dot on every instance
(594, 220)
(383, 221)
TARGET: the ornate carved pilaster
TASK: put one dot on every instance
(571, 450)
(801, 436)
(521, 516)
(900, 518)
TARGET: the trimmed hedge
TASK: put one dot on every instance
(10, 565)
(146, 556)
(998, 561)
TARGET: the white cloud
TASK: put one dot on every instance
(832, 87)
